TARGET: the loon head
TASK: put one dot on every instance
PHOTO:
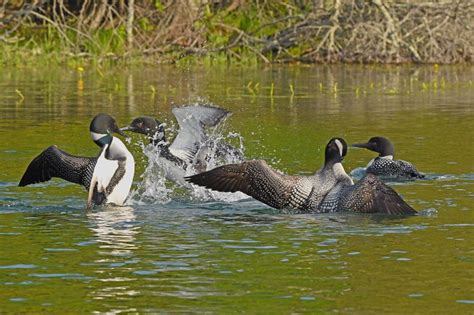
(381, 145)
(101, 129)
(148, 126)
(336, 150)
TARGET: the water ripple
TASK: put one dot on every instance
(19, 266)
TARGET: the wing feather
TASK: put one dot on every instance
(254, 178)
(192, 120)
(53, 162)
(371, 195)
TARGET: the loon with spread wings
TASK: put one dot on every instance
(108, 177)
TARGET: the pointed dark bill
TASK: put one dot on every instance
(360, 145)
(121, 132)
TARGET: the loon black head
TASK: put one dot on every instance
(378, 144)
(336, 150)
(101, 129)
(148, 126)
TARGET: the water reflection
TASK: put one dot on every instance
(131, 94)
(115, 229)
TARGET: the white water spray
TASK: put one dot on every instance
(163, 180)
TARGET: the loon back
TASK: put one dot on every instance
(53, 162)
(369, 195)
(386, 167)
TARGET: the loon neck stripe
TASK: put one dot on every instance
(96, 136)
(101, 139)
(339, 146)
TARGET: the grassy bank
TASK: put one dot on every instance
(238, 31)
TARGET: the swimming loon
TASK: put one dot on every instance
(191, 145)
(384, 165)
(330, 189)
(107, 178)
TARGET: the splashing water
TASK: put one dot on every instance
(217, 151)
(163, 180)
(152, 188)
(358, 173)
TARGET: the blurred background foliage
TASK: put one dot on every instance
(238, 31)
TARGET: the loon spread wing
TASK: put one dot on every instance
(254, 178)
(191, 121)
(371, 195)
(53, 162)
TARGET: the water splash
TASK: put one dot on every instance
(358, 173)
(153, 186)
(163, 180)
(430, 212)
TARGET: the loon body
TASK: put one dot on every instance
(191, 146)
(330, 189)
(385, 165)
(108, 177)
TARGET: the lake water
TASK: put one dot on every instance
(181, 253)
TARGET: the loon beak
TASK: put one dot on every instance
(128, 128)
(121, 132)
(360, 145)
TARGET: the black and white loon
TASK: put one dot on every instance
(108, 177)
(330, 189)
(191, 144)
(384, 165)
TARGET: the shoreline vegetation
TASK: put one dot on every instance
(237, 31)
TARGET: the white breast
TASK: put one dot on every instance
(105, 170)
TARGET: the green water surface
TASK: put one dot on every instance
(192, 255)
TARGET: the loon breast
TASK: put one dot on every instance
(113, 174)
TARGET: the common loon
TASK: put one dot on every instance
(107, 178)
(384, 165)
(191, 145)
(330, 189)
